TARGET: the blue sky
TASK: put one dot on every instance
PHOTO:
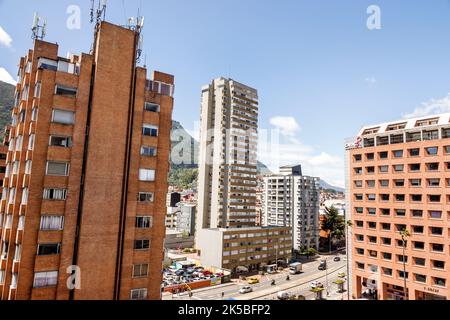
(320, 72)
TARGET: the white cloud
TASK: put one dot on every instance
(371, 81)
(287, 125)
(434, 106)
(6, 77)
(5, 38)
(276, 149)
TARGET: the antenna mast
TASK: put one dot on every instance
(98, 15)
(136, 24)
(38, 29)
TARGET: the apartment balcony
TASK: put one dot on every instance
(19, 237)
(15, 266)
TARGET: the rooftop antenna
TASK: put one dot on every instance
(38, 29)
(136, 24)
(98, 15)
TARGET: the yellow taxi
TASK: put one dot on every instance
(252, 280)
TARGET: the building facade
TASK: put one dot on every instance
(186, 218)
(86, 174)
(292, 200)
(249, 247)
(398, 178)
(227, 160)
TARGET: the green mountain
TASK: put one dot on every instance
(6, 103)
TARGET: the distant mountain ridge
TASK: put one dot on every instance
(186, 159)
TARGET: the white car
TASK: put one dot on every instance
(245, 289)
(283, 295)
(316, 284)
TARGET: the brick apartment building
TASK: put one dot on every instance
(86, 173)
(398, 179)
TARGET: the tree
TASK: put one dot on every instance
(333, 225)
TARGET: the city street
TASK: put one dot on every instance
(298, 284)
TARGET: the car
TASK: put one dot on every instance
(337, 259)
(245, 289)
(316, 284)
(179, 272)
(283, 295)
(252, 280)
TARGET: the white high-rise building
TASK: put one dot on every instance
(227, 160)
(292, 200)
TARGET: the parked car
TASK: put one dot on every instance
(252, 280)
(245, 289)
(179, 272)
(337, 259)
(316, 284)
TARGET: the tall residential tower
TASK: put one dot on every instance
(86, 174)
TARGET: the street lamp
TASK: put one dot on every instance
(404, 234)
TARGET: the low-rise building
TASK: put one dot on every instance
(251, 247)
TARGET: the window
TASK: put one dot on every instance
(372, 225)
(436, 231)
(371, 211)
(435, 214)
(359, 251)
(143, 222)
(431, 151)
(370, 183)
(146, 175)
(141, 244)
(415, 182)
(417, 213)
(48, 249)
(358, 170)
(370, 156)
(153, 107)
(371, 197)
(357, 157)
(383, 169)
(419, 245)
(414, 167)
(419, 262)
(438, 264)
(63, 116)
(439, 282)
(384, 197)
(447, 149)
(417, 229)
(397, 153)
(372, 239)
(145, 196)
(416, 197)
(31, 142)
(431, 135)
(373, 253)
(52, 223)
(45, 279)
(386, 241)
(385, 226)
(359, 237)
(24, 196)
(420, 278)
(400, 227)
(57, 168)
(402, 274)
(398, 168)
(66, 91)
(360, 265)
(149, 130)
(399, 197)
(55, 194)
(400, 212)
(148, 151)
(359, 210)
(432, 166)
(399, 183)
(359, 223)
(387, 256)
(437, 247)
(60, 141)
(140, 270)
(385, 212)
(434, 198)
(434, 182)
(384, 183)
(414, 152)
(387, 271)
(383, 155)
(138, 294)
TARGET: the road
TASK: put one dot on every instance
(298, 284)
